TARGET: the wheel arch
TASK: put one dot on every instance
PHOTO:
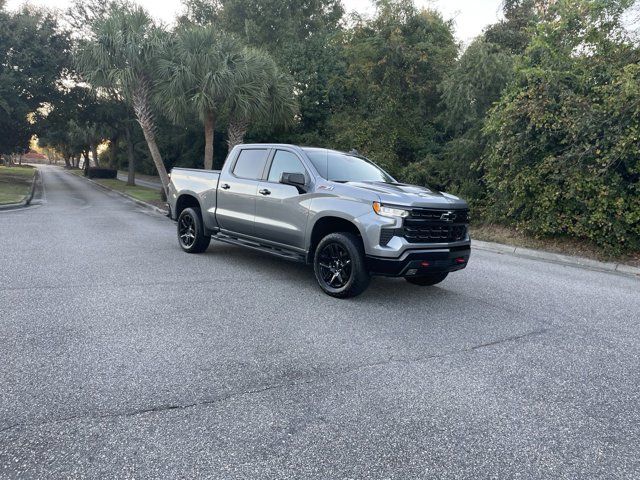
(325, 225)
(186, 200)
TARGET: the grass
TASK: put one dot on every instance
(562, 245)
(15, 183)
(145, 194)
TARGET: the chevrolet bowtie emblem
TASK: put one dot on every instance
(448, 216)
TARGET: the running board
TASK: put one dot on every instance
(279, 252)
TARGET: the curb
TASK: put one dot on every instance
(129, 197)
(27, 199)
(582, 262)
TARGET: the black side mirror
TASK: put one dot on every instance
(294, 179)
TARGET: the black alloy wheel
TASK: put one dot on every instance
(339, 265)
(335, 265)
(187, 231)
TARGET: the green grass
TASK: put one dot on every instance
(15, 183)
(145, 194)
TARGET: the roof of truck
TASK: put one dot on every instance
(290, 145)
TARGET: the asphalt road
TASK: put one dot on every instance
(123, 357)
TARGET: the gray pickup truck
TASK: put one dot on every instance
(335, 210)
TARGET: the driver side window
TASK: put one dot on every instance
(284, 161)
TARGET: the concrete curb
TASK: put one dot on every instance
(27, 199)
(556, 258)
(122, 194)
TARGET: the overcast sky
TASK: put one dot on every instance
(470, 16)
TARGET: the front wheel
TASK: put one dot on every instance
(191, 236)
(339, 265)
(427, 280)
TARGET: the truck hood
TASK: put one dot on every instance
(409, 195)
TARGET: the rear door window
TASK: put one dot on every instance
(250, 163)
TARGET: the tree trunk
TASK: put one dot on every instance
(144, 114)
(209, 128)
(86, 165)
(131, 170)
(94, 154)
(237, 130)
(67, 163)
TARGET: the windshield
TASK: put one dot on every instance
(342, 167)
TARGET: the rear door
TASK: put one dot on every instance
(282, 210)
(236, 206)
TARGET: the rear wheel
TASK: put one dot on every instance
(339, 265)
(427, 280)
(191, 236)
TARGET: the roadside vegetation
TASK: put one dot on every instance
(145, 194)
(536, 122)
(15, 183)
(149, 195)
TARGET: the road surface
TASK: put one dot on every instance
(123, 357)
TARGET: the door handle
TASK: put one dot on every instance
(264, 191)
(225, 186)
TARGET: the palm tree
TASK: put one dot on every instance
(261, 94)
(195, 77)
(122, 55)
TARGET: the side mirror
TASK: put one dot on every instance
(294, 179)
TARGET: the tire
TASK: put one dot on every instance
(427, 280)
(191, 236)
(340, 255)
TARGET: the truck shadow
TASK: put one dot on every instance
(301, 277)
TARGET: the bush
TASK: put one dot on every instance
(563, 155)
(102, 173)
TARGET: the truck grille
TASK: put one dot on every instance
(425, 225)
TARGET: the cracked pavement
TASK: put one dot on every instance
(122, 357)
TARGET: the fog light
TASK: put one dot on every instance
(460, 260)
(425, 264)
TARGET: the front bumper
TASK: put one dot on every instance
(420, 262)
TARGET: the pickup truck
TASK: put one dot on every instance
(337, 211)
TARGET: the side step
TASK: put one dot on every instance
(279, 252)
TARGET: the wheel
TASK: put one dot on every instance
(339, 265)
(427, 280)
(191, 235)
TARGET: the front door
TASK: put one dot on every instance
(236, 203)
(282, 210)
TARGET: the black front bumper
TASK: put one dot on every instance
(421, 262)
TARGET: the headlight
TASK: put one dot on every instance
(389, 211)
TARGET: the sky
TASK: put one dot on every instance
(470, 16)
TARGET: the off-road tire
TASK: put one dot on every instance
(358, 275)
(191, 236)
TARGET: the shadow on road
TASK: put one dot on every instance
(393, 291)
